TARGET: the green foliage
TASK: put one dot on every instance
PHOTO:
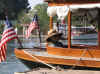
(42, 16)
(12, 8)
(24, 18)
(1, 28)
(41, 10)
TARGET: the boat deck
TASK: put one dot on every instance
(45, 54)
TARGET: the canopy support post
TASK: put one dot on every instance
(51, 23)
(69, 29)
(50, 26)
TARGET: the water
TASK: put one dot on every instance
(13, 64)
(87, 39)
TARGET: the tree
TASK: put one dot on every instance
(41, 10)
(12, 8)
(24, 18)
(42, 16)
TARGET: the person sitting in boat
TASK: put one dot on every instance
(54, 38)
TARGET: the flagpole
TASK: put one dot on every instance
(20, 43)
(39, 36)
(17, 37)
(39, 33)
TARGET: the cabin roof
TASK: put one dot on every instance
(72, 1)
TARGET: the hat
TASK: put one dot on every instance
(53, 34)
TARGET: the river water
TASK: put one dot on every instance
(12, 64)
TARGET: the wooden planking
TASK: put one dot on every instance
(76, 52)
(49, 71)
(20, 54)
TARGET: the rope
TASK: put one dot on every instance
(40, 60)
(54, 68)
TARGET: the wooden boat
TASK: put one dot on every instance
(73, 54)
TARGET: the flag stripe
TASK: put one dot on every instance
(2, 54)
(9, 29)
(3, 51)
(33, 25)
(8, 32)
(8, 39)
(8, 35)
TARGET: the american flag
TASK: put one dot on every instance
(7, 35)
(33, 25)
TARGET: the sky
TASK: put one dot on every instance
(35, 2)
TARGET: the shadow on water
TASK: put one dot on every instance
(32, 65)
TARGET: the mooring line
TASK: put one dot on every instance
(40, 60)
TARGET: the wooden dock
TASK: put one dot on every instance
(47, 71)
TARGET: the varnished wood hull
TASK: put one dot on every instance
(76, 51)
(86, 61)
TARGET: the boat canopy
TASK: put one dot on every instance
(63, 8)
(62, 11)
(72, 1)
